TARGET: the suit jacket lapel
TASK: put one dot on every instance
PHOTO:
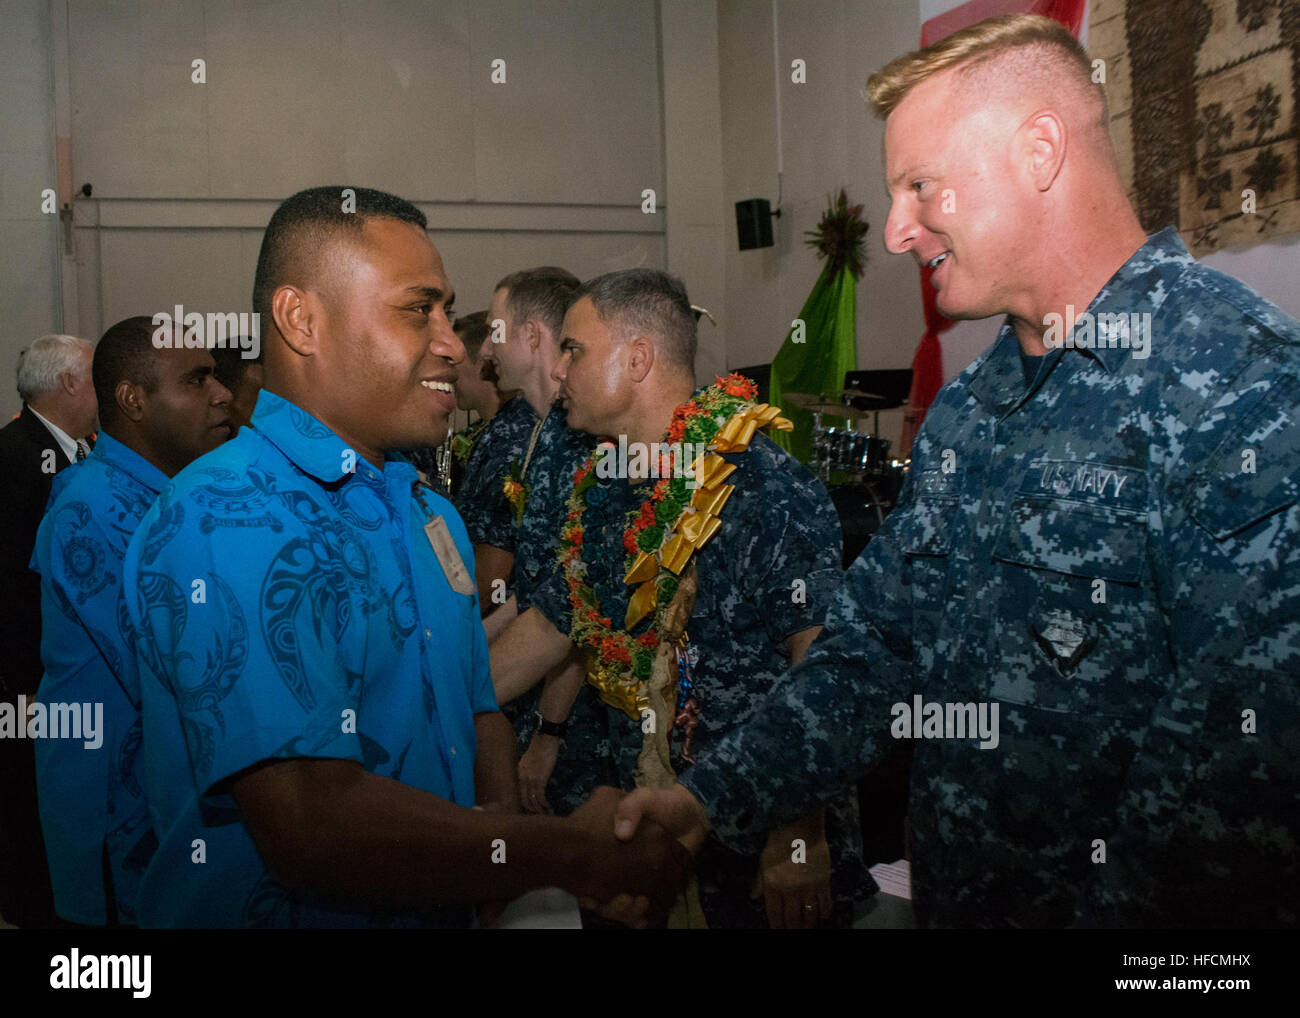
(43, 437)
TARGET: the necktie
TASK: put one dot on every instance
(81, 450)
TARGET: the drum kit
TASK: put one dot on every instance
(863, 481)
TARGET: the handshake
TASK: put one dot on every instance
(636, 854)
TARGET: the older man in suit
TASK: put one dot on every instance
(59, 412)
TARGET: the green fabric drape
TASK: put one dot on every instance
(819, 363)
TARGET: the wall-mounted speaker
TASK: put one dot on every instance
(754, 223)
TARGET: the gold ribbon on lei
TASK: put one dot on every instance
(654, 765)
(698, 520)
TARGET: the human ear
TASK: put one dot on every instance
(1042, 142)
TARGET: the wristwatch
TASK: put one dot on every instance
(544, 727)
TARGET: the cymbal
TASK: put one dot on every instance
(867, 400)
(841, 402)
(814, 403)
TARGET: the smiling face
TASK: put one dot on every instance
(956, 197)
(186, 412)
(386, 360)
(592, 371)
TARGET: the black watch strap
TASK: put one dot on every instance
(556, 728)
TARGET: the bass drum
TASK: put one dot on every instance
(862, 507)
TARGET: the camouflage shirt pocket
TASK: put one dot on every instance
(1250, 475)
(1075, 619)
(1074, 538)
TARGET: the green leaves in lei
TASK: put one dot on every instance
(462, 443)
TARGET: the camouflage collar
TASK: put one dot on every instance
(1139, 287)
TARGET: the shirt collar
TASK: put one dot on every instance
(315, 449)
(1141, 284)
(304, 440)
(66, 442)
(128, 460)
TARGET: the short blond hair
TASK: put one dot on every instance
(1044, 41)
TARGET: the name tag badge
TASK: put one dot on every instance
(453, 566)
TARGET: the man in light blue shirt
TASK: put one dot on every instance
(160, 408)
(319, 721)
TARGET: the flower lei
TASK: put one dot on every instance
(659, 537)
(515, 490)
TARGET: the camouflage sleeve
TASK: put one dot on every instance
(482, 503)
(826, 722)
(790, 562)
(1207, 827)
(549, 594)
(537, 571)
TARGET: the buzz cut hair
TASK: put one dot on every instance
(545, 293)
(229, 365)
(647, 302)
(1032, 45)
(125, 353)
(298, 239)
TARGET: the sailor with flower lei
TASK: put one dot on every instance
(691, 589)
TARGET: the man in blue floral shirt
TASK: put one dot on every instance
(319, 720)
(159, 408)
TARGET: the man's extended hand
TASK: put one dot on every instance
(490, 911)
(797, 894)
(634, 879)
(673, 808)
(535, 768)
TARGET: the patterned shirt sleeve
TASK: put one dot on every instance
(829, 718)
(77, 534)
(201, 606)
(482, 503)
(790, 562)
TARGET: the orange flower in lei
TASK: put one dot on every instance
(738, 385)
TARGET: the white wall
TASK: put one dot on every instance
(548, 167)
(829, 140)
(697, 233)
(30, 258)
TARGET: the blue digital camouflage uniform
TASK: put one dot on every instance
(92, 801)
(560, 451)
(584, 759)
(769, 572)
(1110, 555)
(489, 517)
(289, 604)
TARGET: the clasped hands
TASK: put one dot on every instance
(796, 894)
